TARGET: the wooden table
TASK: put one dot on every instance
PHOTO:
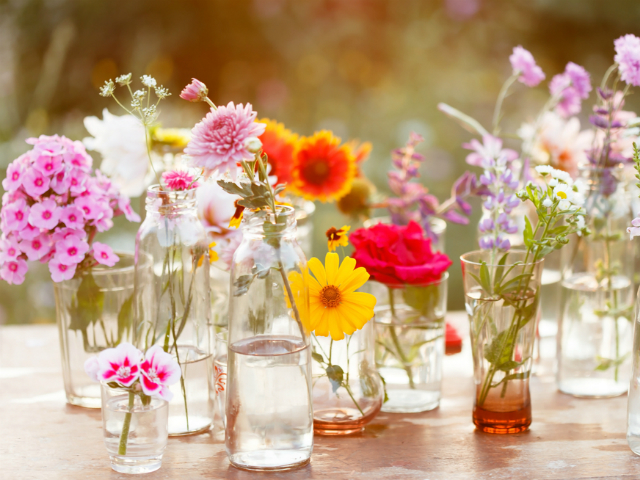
(41, 437)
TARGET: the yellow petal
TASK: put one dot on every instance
(345, 271)
(322, 327)
(358, 278)
(360, 298)
(317, 314)
(357, 316)
(318, 271)
(314, 287)
(331, 263)
(334, 327)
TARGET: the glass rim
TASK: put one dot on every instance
(464, 258)
(443, 278)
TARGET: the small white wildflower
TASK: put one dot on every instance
(544, 169)
(564, 205)
(563, 192)
(148, 81)
(561, 175)
(547, 202)
(107, 89)
(123, 80)
(553, 182)
(162, 92)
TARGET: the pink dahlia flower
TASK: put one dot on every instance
(628, 58)
(524, 64)
(120, 364)
(220, 140)
(159, 371)
(196, 91)
(104, 255)
(179, 180)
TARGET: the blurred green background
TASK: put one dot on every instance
(368, 69)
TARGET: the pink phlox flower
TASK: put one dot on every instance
(219, 141)
(28, 232)
(13, 180)
(12, 196)
(13, 271)
(570, 87)
(89, 206)
(120, 364)
(525, 65)
(9, 249)
(60, 271)
(196, 91)
(103, 222)
(48, 165)
(63, 233)
(580, 79)
(71, 250)
(60, 182)
(628, 58)
(159, 371)
(92, 367)
(76, 178)
(35, 183)
(45, 214)
(179, 180)
(72, 217)
(489, 153)
(124, 204)
(37, 247)
(50, 256)
(15, 216)
(104, 254)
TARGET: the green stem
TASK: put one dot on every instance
(211, 104)
(124, 435)
(501, 96)
(348, 389)
(396, 342)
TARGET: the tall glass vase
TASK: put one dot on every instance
(178, 316)
(502, 294)
(633, 402)
(93, 312)
(269, 413)
(595, 330)
(410, 343)
(347, 390)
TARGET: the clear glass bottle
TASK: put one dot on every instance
(178, 308)
(93, 312)
(135, 434)
(595, 330)
(347, 390)
(502, 301)
(633, 401)
(410, 343)
(269, 414)
(220, 381)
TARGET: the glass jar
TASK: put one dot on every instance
(305, 210)
(135, 434)
(595, 329)
(410, 343)
(347, 390)
(178, 318)
(502, 294)
(268, 410)
(93, 312)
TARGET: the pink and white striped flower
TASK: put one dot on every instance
(13, 181)
(60, 271)
(37, 247)
(13, 271)
(45, 214)
(35, 183)
(104, 254)
(120, 364)
(72, 217)
(159, 371)
(71, 251)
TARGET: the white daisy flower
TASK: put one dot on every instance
(561, 175)
(544, 169)
(563, 192)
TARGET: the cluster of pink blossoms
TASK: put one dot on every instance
(52, 209)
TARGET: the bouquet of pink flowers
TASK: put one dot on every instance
(52, 209)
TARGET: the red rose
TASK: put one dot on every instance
(396, 255)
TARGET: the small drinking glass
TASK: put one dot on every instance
(135, 434)
(220, 381)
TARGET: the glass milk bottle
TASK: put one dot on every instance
(269, 414)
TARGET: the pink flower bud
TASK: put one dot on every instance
(196, 91)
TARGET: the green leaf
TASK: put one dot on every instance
(528, 232)
(423, 299)
(606, 363)
(384, 387)
(499, 351)
(88, 305)
(316, 356)
(500, 269)
(485, 278)
(513, 376)
(335, 374)
(514, 283)
(125, 318)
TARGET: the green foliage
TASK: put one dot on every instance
(423, 299)
(335, 375)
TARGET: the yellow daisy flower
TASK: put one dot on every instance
(337, 238)
(335, 308)
(174, 137)
(236, 220)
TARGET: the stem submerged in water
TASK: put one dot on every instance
(396, 342)
(124, 435)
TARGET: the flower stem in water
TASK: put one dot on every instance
(124, 435)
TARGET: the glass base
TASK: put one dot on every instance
(85, 402)
(634, 444)
(271, 460)
(502, 422)
(593, 387)
(411, 401)
(197, 425)
(341, 421)
(135, 465)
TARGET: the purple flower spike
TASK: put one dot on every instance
(486, 243)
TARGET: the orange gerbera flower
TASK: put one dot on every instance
(279, 143)
(322, 168)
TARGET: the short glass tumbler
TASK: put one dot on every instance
(410, 343)
(135, 434)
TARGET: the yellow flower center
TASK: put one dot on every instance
(562, 195)
(330, 296)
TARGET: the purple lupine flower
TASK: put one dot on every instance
(525, 66)
(628, 58)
